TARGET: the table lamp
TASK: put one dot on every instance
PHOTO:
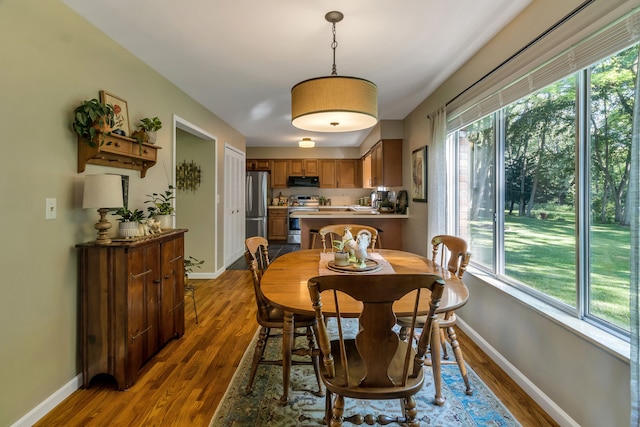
(105, 193)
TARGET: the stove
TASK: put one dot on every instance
(303, 200)
(299, 203)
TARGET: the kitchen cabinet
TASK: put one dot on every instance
(258, 164)
(386, 163)
(366, 171)
(131, 303)
(342, 173)
(277, 227)
(303, 167)
(279, 173)
(347, 173)
(327, 173)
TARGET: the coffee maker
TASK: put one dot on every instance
(379, 198)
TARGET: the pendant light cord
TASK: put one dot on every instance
(334, 45)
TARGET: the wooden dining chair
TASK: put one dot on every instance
(376, 364)
(330, 233)
(271, 318)
(451, 253)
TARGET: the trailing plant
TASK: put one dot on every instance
(90, 119)
(161, 202)
(127, 215)
(190, 263)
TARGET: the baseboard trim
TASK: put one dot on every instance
(550, 407)
(34, 415)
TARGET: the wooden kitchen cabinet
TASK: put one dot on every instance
(279, 173)
(327, 173)
(366, 171)
(277, 227)
(303, 167)
(347, 175)
(386, 163)
(258, 164)
(131, 303)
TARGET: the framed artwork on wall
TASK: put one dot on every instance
(419, 174)
(120, 113)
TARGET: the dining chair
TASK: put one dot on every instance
(336, 231)
(451, 253)
(271, 318)
(376, 364)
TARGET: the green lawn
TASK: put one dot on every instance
(541, 254)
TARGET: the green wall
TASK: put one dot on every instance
(51, 60)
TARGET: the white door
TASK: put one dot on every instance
(234, 172)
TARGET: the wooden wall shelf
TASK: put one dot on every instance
(118, 152)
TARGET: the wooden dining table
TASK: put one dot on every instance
(284, 284)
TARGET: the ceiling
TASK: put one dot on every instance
(240, 58)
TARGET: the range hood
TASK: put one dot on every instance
(303, 181)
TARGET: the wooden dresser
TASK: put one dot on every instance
(131, 303)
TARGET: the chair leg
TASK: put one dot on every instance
(337, 412)
(403, 333)
(315, 359)
(410, 411)
(314, 234)
(257, 356)
(457, 352)
(443, 342)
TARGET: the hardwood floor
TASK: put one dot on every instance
(183, 383)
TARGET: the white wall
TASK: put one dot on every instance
(575, 378)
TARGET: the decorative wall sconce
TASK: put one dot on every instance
(188, 176)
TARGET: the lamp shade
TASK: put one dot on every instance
(334, 104)
(102, 191)
(306, 143)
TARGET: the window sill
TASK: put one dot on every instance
(604, 340)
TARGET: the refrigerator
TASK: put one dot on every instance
(256, 203)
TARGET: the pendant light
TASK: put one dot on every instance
(334, 103)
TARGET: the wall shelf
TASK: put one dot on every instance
(118, 152)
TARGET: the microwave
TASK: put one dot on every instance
(303, 181)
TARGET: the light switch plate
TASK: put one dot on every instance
(51, 211)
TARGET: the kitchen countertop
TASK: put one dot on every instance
(337, 212)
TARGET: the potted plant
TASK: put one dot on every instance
(147, 130)
(129, 221)
(161, 209)
(92, 120)
(341, 258)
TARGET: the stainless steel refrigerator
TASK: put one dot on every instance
(256, 204)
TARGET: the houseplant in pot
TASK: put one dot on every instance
(92, 120)
(341, 257)
(147, 130)
(129, 220)
(161, 209)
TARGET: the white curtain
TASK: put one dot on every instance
(437, 176)
(634, 282)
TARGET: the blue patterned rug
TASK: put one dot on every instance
(305, 409)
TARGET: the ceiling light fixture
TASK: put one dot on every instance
(334, 103)
(306, 143)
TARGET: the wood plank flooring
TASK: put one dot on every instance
(183, 384)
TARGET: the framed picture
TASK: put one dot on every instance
(419, 174)
(120, 113)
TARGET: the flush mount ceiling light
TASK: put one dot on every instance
(306, 143)
(334, 103)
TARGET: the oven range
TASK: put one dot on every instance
(296, 204)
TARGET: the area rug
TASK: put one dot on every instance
(306, 409)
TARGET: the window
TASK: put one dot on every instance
(542, 186)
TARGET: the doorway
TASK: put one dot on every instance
(195, 150)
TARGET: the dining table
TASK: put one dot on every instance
(284, 284)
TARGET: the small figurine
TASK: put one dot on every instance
(360, 251)
(154, 226)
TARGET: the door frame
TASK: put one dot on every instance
(187, 126)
